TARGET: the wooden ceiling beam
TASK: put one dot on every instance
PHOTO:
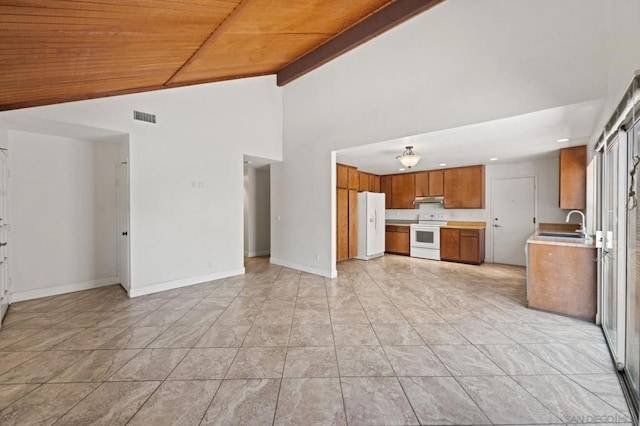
(375, 24)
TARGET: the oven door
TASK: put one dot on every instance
(425, 236)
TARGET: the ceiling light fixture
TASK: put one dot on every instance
(443, 164)
(401, 169)
(408, 158)
(493, 159)
(563, 140)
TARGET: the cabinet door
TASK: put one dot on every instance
(573, 177)
(342, 176)
(353, 223)
(422, 184)
(342, 220)
(372, 183)
(390, 242)
(403, 243)
(354, 179)
(385, 187)
(376, 183)
(464, 188)
(403, 190)
(436, 182)
(469, 247)
(450, 244)
(363, 181)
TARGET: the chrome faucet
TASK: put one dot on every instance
(583, 228)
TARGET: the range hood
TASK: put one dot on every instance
(430, 199)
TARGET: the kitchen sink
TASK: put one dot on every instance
(559, 235)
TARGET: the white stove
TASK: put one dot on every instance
(425, 236)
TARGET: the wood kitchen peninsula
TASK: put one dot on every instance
(561, 275)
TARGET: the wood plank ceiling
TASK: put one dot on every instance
(55, 51)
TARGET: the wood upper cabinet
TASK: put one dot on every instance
(436, 182)
(422, 184)
(385, 187)
(363, 181)
(354, 179)
(464, 188)
(376, 183)
(462, 245)
(353, 223)
(403, 191)
(342, 176)
(573, 177)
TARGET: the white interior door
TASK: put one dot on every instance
(4, 234)
(123, 224)
(513, 219)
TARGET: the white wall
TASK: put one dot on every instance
(63, 214)
(257, 215)
(185, 172)
(546, 172)
(463, 62)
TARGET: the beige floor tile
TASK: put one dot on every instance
(160, 318)
(312, 303)
(150, 364)
(213, 303)
(355, 334)
(267, 335)
(42, 367)
(13, 336)
(179, 337)
(123, 319)
(318, 361)
(44, 340)
(311, 335)
(481, 333)
(441, 401)
(465, 360)
(46, 404)
(9, 360)
(516, 360)
(177, 404)
(223, 336)
(310, 401)
(397, 334)
(237, 317)
(244, 402)
(363, 361)
(134, 338)
(90, 338)
(376, 401)
(258, 363)
(98, 366)
(440, 334)
(204, 364)
(111, 404)
(198, 318)
(311, 316)
(87, 319)
(180, 304)
(414, 361)
(11, 393)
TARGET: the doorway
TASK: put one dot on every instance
(257, 207)
(513, 217)
(122, 195)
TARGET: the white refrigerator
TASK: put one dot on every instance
(371, 222)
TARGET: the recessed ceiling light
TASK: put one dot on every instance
(493, 159)
(443, 164)
(402, 170)
(563, 140)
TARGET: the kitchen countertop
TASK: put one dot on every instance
(452, 224)
(400, 222)
(559, 241)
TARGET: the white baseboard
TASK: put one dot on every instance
(257, 253)
(184, 282)
(20, 296)
(304, 268)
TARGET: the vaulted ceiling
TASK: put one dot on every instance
(55, 51)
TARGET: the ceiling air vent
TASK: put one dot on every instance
(144, 116)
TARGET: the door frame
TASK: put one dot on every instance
(535, 205)
(7, 222)
(119, 228)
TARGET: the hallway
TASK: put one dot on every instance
(396, 340)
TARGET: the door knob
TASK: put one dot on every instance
(3, 244)
(125, 233)
(497, 226)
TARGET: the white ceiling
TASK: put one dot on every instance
(512, 139)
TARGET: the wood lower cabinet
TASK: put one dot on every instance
(464, 188)
(462, 245)
(342, 219)
(397, 239)
(573, 178)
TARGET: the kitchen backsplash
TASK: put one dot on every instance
(453, 214)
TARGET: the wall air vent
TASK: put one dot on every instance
(144, 116)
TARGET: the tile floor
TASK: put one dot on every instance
(392, 341)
